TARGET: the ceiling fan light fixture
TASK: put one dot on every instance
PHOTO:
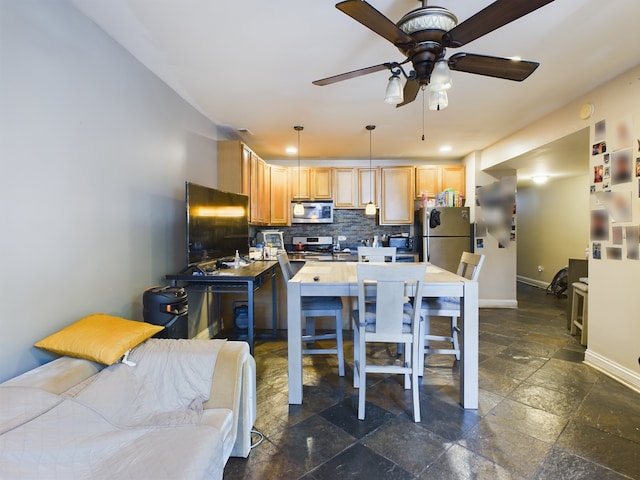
(427, 18)
(394, 94)
(438, 99)
(441, 76)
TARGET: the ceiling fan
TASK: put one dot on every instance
(424, 34)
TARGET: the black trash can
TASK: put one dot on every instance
(167, 306)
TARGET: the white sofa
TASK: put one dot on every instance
(231, 407)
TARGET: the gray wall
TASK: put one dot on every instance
(95, 151)
(553, 226)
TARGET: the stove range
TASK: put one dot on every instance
(314, 244)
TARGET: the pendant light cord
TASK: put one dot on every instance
(298, 128)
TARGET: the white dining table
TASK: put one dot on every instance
(339, 279)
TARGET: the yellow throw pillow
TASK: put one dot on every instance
(99, 337)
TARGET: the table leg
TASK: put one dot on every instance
(469, 350)
(274, 303)
(294, 335)
(250, 336)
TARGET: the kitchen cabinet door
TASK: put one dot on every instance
(280, 200)
(397, 188)
(454, 176)
(345, 188)
(264, 192)
(300, 187)
(234, 157)
(321, 183)
(428, 181)
(368, 187)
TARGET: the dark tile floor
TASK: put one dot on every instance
(543, 413)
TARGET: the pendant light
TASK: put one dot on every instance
(298, 209)
(371, 207)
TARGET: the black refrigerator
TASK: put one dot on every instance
(442, 234)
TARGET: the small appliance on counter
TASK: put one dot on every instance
(271, 238)
(403, 243)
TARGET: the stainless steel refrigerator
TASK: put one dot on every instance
(442, 244)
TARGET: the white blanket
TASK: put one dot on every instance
(131, 422)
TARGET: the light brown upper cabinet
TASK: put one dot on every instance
(234, 157)
(253, 179)
(345, 188)
(431, 179)
(300, 183)
(280, 199)
(314, 183)
(397, 193)
(454, 176)
(322, 183)
(368, 186)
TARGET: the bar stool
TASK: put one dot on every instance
(579, 318)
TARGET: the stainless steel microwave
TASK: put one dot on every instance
(314, 212)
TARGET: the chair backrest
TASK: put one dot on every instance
(376, 254)
(389, 282)
(470, 265)
(285, 266)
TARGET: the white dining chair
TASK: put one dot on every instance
(390, 319)
(377, 254)
(313, 307)
(469, 268)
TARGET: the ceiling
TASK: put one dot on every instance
(249, 65)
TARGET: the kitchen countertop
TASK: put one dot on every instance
(335, 257)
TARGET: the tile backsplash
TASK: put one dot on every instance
(353, 224)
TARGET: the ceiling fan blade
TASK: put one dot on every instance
(498, 67)
(410, 92)
(352, 74)
(489, 19)
(374, 20)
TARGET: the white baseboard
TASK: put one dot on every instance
(497, 303)
(532, 281)
(622, 374)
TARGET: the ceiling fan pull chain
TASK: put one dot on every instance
(423, 115)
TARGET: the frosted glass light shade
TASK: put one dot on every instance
(394, 95)
(298, 210)
(438, 100)
(441, 76)
(370, 209)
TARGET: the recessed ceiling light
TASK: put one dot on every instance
(445, 148)
(540, 179)
(291, 150)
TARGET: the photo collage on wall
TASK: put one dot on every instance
(615, 191)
